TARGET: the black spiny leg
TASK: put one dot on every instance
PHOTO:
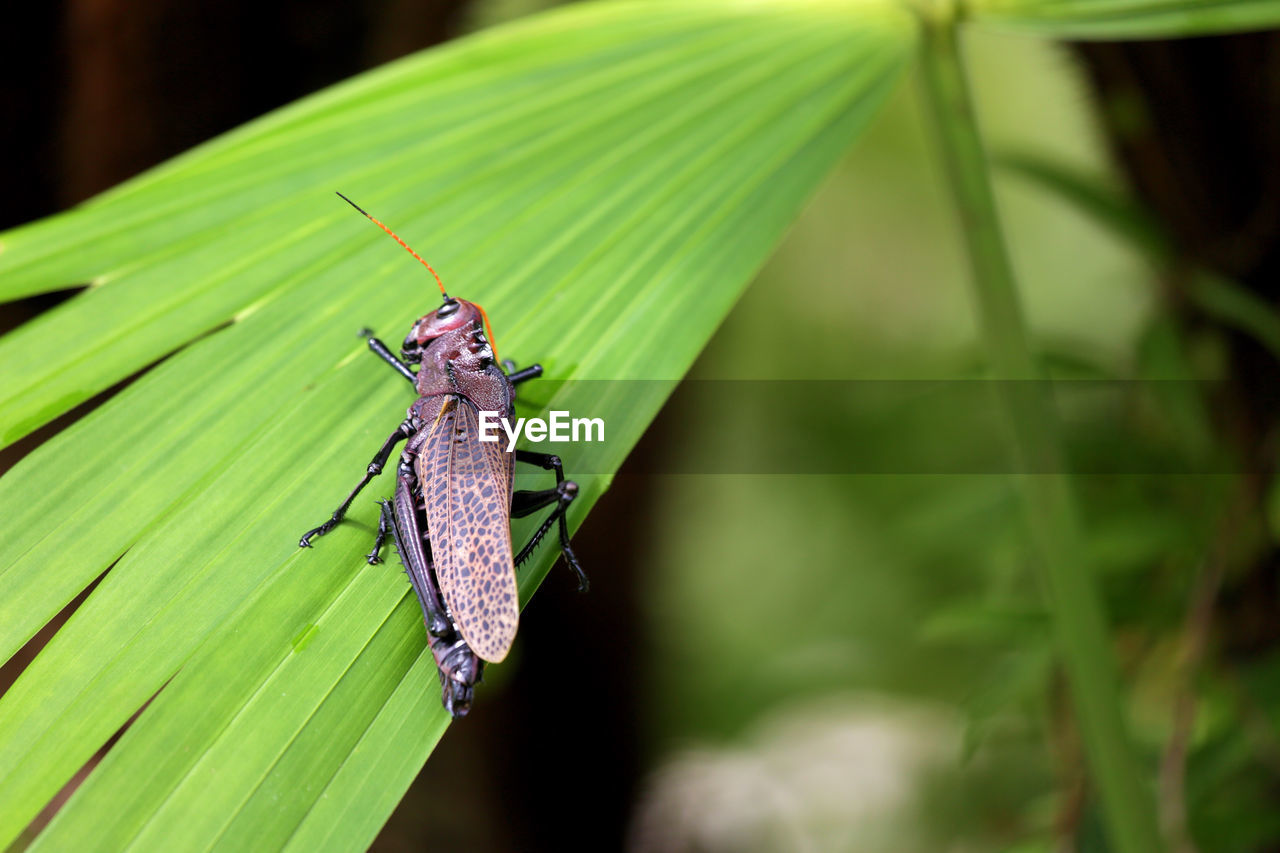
(385, 521)
(526, 502)
(380, 349)
(533, 371)
(375, 468)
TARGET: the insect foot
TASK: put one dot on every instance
(305, 541)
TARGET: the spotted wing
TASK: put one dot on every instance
(466, 484)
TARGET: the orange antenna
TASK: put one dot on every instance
(489, 331)
(398, 240)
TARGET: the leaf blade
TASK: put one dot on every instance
(1104, 20)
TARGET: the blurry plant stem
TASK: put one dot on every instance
(1073, 780)
(1197, 628)
(1173, 766)
(1079, 624)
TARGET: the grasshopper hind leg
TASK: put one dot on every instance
(528, 502)
(457, 665)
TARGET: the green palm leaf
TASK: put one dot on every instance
(1126, 19)
(604, 180)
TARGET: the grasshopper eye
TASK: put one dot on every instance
(449, 307)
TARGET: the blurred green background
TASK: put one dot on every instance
(891, 612)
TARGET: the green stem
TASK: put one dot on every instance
(1079, 624)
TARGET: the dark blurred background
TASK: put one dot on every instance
(827, 662)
